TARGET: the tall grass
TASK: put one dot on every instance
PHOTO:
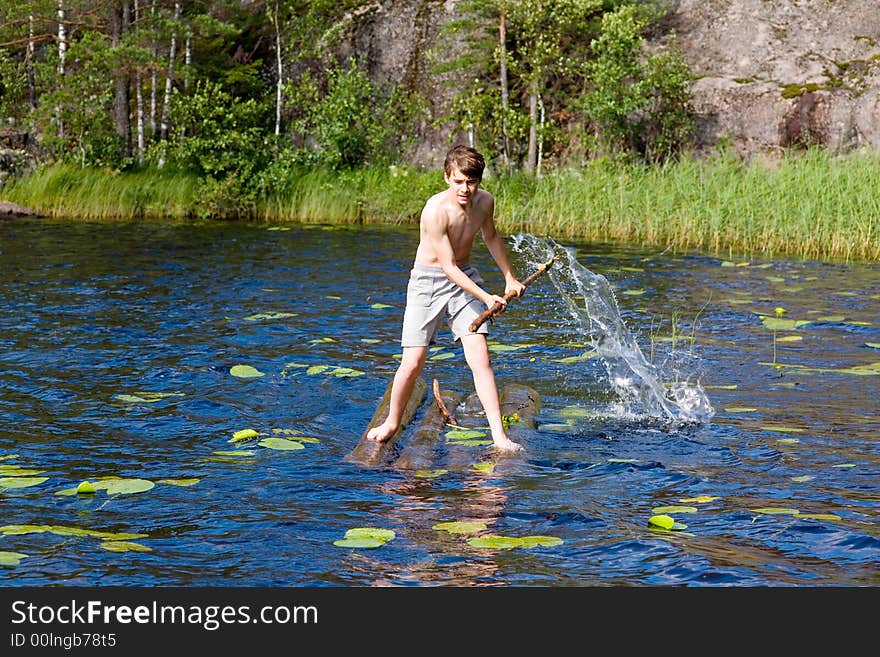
(65, 190)
(812, 205)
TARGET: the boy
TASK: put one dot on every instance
(443, 283)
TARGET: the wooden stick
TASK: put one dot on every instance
(497, 309)
(447, 416)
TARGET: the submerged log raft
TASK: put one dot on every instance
(520, 404)
(371, 452)
(419, 453)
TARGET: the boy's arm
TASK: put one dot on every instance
(499, 253)
(435, 223)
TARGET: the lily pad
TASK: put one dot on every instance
(233, 452)
(124, 546)
(460, 527)
(740, 409)
(377, 533)
(700, 498)
(540, 541)
(662, 521)
(190, 481)
(776, 510)
(485, 467)
(359, 543)
(779, 324)
(281, 443)
(380, 306)
(11, 558)
(8, 483)
(674, 509)
(428, 473)
(443, 355)
(85, 488)
(18, 471)
(464, 434)
(781, 428)
(495, 542)
(818, 516)
(244, 434)
(124, 486)
(269, 315)
(245, 372)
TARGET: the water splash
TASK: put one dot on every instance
(637, 382)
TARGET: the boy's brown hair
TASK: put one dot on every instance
(467, 160)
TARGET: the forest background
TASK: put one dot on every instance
(279, 111)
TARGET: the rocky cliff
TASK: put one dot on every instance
(771, 74)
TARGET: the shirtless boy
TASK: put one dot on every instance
(443, 284)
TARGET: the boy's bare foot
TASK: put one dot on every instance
(505, 444)
(382, 433)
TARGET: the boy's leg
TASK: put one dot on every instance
(411, 365)
(476, 352)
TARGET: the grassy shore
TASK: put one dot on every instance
(811, 205)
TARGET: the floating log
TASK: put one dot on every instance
(419, 453)
(520, 401)
(371, 452)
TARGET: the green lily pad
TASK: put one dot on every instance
(11, 558)
(831, 319)
(873, 345)
(818, 516)
(700, 498)
(281, 443)
(65, 530)
(501, 348)
(380, 306)
(190, 481)
(460, 527)
(633, 293)
(18, 471)
(444, 355)
(485, 467)
(376, 533)
(495, 542)
(575, 412)
(429, 473)
(464, 434)
(8, 483)
(776, 510)
(674, 509)
(345, 372)
(317, 369)
(234, 453)
(802, 479)
(85, 488)
(778, 324)
(781, 428)
(124, 486)
(245, 372)
(359, 543)
(662, 521)
(124, 546)
(269, 315)
(790, 338)
(740, 409)
(540, 541)
(244, 434)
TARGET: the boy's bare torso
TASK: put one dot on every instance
(461, 225)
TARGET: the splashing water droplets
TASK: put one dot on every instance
(636, 381)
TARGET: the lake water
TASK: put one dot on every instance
(118, 342)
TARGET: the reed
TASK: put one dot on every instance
(811, 205)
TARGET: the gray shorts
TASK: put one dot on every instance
(431, 296)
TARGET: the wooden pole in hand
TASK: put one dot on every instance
(497, 309)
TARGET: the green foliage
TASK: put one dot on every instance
(346, 121)
(637, 104)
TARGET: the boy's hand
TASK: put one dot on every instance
(493, 299)
(514, 288)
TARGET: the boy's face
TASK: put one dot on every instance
(462, 186)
